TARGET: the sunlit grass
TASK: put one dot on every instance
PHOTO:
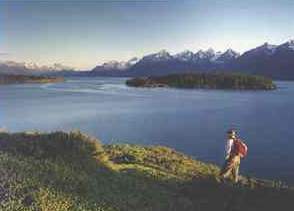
(72, 171)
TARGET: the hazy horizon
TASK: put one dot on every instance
(84, 34)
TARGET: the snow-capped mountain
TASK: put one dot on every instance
(268, 50)
(287, 45)
(54, 67)
(116, 65)
(230, 53)
(184, 56)
(228, 56)
(208, 56)
(132, 61)
(276, 61)
(211, 54)
(265, 49)
(201, 55)
(162, 55)
(271, 60)
(11, 67)
(163, 61)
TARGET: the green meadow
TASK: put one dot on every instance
(73, 171)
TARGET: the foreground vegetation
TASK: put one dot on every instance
(205, 81)
(16, 79)
(72, 171)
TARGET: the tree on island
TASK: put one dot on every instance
(206, 81)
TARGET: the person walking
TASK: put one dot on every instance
(235, 150)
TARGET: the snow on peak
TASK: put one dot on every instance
(36, 67)
(227, 56)
(162, 55)
(14, 64)
(200, 54)
(113, 64)
(132, 61)
(59, 67)
(119, 65)
(291, 44)
(185, 55)
(266, 48)
(231, 53)
(209, 54)
(288, 45)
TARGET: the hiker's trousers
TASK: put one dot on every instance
(231, 167)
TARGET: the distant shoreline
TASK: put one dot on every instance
(6, 79)
(205, 81)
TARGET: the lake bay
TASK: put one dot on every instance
(191, 121)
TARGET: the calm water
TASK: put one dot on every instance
(191, 121)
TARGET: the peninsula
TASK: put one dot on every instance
(19, 79)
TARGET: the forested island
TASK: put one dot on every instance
(206, 81)
(72, 171)
(18, 79)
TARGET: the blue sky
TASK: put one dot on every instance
(85, 33)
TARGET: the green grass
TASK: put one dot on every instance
(72, 171)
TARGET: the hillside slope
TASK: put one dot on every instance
(71, 171)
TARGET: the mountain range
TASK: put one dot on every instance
(276, 61)
(22, 68)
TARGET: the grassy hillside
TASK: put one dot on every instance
(71, 171)
(206, 81)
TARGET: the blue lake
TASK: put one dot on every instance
(191, 121)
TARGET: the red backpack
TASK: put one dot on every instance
(240, 148)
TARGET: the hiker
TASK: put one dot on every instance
(235, 150)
